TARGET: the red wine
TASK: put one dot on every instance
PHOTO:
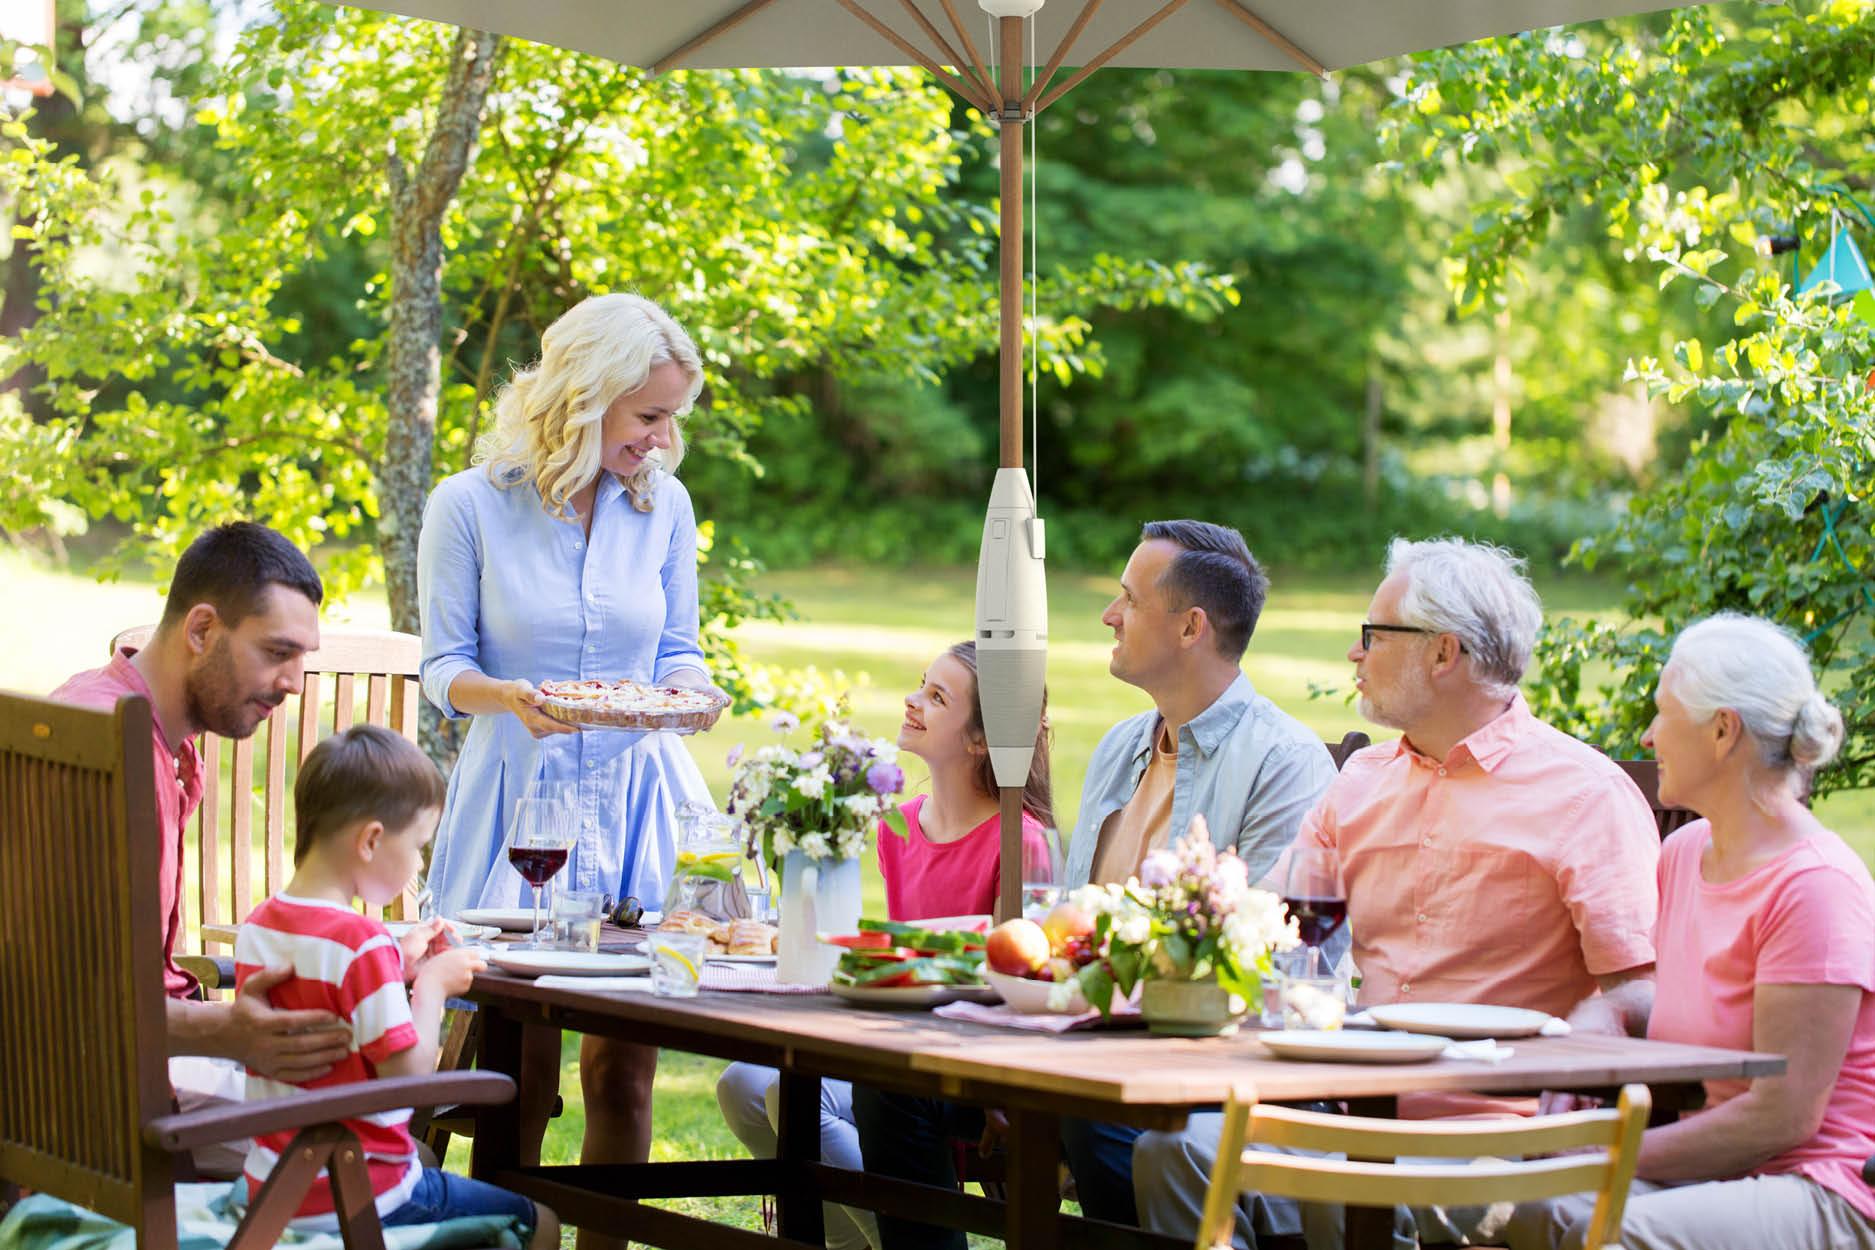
(1317, 918)
(537, 864)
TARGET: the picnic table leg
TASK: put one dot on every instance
(497, 1141)
(797, 1142)
(1370, 1228)
(1032, 1199)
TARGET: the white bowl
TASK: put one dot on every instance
(1030, 997)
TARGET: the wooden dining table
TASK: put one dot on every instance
(1124, 1076)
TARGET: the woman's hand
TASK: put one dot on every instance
(520, 697)
(691, 679)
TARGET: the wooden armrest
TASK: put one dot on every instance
(215, 972)
(230, 1121)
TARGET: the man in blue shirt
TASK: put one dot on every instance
(1212, 746)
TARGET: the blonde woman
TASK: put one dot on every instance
(569, 551)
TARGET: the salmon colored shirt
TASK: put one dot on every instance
(1514, 871)
(178, 794)
(1805, 918)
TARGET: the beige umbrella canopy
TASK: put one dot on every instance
(950, 39)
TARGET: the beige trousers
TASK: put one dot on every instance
(198, 1082)
(1757, 1213)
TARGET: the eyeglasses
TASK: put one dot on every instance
(1369, 629)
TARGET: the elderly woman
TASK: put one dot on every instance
(570, 552)
(1766, 941)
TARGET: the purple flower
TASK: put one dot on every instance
(784, 722)
(735, 755)
(1158, 868)
(885, 778)
(811, 760)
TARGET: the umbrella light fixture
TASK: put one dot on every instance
(1312, 36)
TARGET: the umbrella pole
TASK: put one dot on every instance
(1012, 592)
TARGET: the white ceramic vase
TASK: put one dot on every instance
(817, 896)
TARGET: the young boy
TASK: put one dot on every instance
(367, 803)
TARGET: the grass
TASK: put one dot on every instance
(886, 626)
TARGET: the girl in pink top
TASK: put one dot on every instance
(1766, 941)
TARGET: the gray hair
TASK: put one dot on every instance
(1760, 671)
(1477, 592)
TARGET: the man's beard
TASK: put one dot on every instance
(1402, 707)
(215, 702)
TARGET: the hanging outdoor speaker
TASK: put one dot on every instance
(1012, 626)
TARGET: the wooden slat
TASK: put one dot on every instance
(404, 695)
(340, 650)
(1446, 1184)
(241, 830)
(377, 698)
(309, 715)
(209, 884)
(342, 696)
(273, 802)
(1454, 1139)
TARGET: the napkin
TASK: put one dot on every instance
(1485, 1051)
(1555, 1026)
(1050, 1022)
(598, 985)
(752, 979)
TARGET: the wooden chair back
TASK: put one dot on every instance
(1646, 775)
(82, 1065)
(1352, 741)
(220, 857)
(1493, 1159)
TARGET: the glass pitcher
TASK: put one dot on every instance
(707, 877)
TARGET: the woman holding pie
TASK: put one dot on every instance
(568, 553)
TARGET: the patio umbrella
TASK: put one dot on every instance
(940, 37)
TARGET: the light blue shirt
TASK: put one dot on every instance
(1249, 768)
(508, 591)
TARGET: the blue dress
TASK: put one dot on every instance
(507, 590)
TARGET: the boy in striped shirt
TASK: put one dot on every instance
(367, 802)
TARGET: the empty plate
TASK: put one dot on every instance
(1342, 1046)
(467, 932)
(568, 963)
(1461, 1020)
(913, 997)
(510, 919)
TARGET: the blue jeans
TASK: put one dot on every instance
(441, 1195)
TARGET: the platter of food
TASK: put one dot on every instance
(627, 704)
(751, 941)
(910, 966)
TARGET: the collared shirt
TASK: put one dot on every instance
(1249, 768)
(178, 794)
(509, 591)
(1514, 871)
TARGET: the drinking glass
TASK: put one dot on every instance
(1041, 873)
(676, 964)
(539, 841)
(577, 915)
(1313, 1003)
(1314, 895)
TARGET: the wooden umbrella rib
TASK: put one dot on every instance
(1061, 54)
(672, 59)
(966, 70)
(970, 46)
(904, 45)
(1282, 42)
(1126, 41)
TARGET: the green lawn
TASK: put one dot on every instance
(886, 627)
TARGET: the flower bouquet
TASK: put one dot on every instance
(1189, 919)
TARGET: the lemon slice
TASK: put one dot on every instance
(678, 957)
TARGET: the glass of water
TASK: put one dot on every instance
(1041, 873)
(577, 915)
(676, 963)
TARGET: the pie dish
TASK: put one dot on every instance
(627, 704)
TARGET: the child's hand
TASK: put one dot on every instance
(449, 972)
(420, 941)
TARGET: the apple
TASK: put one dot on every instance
(1017, 948)
(1065, 923)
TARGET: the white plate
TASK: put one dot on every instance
(467, 932)
(568, 963)
(1460, 1020)
(1342, 1046)
(508, 919)
(913, 997)
(740, 959)
(1030, 997)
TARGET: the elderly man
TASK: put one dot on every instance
(1211, 746)
(242, 613)
(1488, 857)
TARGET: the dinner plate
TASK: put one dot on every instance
(508, 919)
(568, 963)
(913, 997)
(740, 959)
(1460, 1020)
(467, 932)
(1342, 1046)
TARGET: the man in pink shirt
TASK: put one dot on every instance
(242, 612)
(1487, 857)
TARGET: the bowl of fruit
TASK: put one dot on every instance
(1034, 966)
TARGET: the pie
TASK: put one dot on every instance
(625, 695)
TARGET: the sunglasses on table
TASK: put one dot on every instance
(1369, 629)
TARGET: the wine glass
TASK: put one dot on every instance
(1314, 895)
(539, 841)
(1041, 874)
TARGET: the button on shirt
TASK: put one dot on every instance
(1515, 871)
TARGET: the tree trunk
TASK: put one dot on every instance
(1500, 414)
(419, 203)
(1370, 436)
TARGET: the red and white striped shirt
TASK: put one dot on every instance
(348, 964)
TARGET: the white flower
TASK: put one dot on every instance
(816, 846)
(1060, 995)
(1134, 929)
(884, 751)
(813, 784)
(784, 842)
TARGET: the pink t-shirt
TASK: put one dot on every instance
(179, 783)
(925, 878)
(1805, 918)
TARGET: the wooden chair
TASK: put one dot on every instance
(222, 852)
(1352, 741)
(85, 1107)
(1646, 775)
(1495, 1171)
